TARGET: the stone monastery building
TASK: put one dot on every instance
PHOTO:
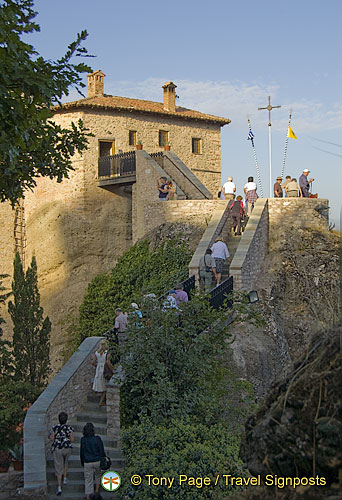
(80, 227)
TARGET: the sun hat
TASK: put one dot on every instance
(306, 170)
(134, 305)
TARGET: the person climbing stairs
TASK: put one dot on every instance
(74, 487)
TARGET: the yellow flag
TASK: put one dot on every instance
(291, 133)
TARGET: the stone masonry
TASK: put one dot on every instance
(67, 392)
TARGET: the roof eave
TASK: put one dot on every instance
(80, 104)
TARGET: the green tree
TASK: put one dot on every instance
(31, 144)
(6, 357)
(31, 333)
(173, 370)
(141, 268)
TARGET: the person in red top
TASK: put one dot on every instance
(237, 211)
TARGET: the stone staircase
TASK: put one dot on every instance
(74, 489)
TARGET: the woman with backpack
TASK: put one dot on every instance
(237, 211)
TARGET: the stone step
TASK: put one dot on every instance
(75, 471)
(76, 495)
(107, 440)
(100, 429)
(113, 453)
(91, 416)
(93, 398)
(94, 406)
(72, 486)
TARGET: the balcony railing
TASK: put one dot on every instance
(121, 165)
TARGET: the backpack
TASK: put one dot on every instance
(207, 268)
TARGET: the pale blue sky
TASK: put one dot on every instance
(226, 57)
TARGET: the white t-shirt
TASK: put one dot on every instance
(220, 250)
(229, 187)
(250, 186)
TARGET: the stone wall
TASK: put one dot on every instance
(219, 225)
(298, 212)
(252, 249)
(10, 484)
(68, 391)
(115, 125)
(195, 212)
(76, 230)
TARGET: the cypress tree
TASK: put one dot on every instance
(31, 333)
(6, 358)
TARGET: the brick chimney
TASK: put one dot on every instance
(95, 83)
(169, 96)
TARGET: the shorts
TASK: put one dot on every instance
(219, 264)
(60, 459)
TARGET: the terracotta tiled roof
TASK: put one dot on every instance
(139, 105)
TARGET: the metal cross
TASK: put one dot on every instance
(269, 109)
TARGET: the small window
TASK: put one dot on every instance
(163, 137)
(106, 148)
(196, 146)
(132, 138)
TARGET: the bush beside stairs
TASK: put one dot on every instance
(74, 489)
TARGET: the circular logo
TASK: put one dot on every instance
(110, 480)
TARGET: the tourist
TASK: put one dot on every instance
(170, 302)
(162, 189)
(135, 315)
(96, 496)
(181, 295)
(277, 189)
(220, 253)
(228, 189)
(100, 358)
(237, 210)
(91, 452)
(304, 183)
(285, 183)
(292, 189)
(207, 266)
(120, 325)
(62, 435)
(171, 188)
(251, 194)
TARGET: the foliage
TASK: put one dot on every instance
(181, 446)
(171, 369)
(31, 333)
(140, 269)
(32, 145)
(15, 397)
(6, 358)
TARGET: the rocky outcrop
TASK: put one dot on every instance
(298, 430)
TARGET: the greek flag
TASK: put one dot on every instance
(251, 137)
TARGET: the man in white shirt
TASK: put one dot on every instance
(229, 189)
(220, 253)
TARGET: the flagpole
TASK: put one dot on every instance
(269, 109)
(286, 145)
(270, 156)
(255, 158)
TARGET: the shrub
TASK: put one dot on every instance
(140, 269)
(180, 447)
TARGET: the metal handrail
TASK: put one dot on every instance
(120, 165)
(219, 294)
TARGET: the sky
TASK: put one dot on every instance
(226, 57)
